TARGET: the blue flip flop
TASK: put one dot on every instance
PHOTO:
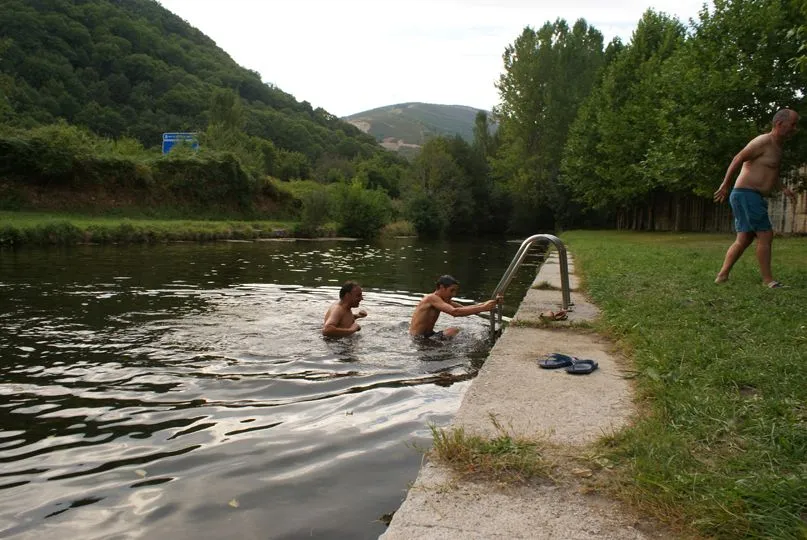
(581, 367)
(557, 360)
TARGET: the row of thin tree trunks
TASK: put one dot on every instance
(690, 213)
(676, 212)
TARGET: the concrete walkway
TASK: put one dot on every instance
(568, 411)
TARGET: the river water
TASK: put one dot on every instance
(184, 390)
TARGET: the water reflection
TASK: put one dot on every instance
(185, 390)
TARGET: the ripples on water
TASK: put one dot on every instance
(193, 409)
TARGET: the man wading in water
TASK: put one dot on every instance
(760, 161)
(429, 309)
(339, 319)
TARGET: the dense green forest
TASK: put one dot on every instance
(589, 133)
(131, 68)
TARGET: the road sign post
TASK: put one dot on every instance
(172, 139)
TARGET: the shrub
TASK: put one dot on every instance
(360, 212)
(316, 208)
(426, 215)
(212, 179)
(398, 228)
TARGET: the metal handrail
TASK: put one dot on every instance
(519, 257)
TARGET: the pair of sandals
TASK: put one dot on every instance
(573, 365)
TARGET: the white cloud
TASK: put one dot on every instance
(351, 55)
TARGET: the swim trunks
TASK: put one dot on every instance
(750, 210)
(432, 334)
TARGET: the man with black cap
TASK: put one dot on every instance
(429, 309)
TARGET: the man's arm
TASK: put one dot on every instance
(331, 327)
(752, 150)
(456, 310)
(780, 186)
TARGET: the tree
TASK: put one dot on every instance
(618, 122)
(226, 110)
(548, 73)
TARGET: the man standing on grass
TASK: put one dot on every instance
(339, 319)
(428, 310)
(759, 176)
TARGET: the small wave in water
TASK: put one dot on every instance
(188, 411)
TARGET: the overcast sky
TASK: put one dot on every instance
(348, 56)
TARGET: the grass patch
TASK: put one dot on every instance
(503, 459)
(545, 286)
(398, 228)
(721, 445)
(24, 228)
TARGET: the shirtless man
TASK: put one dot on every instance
(429, 309)
(760, 161)
(339, 319)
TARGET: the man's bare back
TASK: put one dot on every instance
(440, 301)
(425, 316)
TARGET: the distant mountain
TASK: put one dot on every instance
(407, 126)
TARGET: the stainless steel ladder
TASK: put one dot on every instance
(519, 257)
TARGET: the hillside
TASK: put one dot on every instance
(407, 125)
(132, 68)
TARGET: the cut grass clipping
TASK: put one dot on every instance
(503, 459)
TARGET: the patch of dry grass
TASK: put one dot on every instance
(505, 459)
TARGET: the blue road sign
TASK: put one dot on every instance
(170, 139)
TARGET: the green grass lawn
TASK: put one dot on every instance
(721, 372)
(17, 228)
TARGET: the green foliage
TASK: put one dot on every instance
(70, 159)
(18, 229)
(360, 212)
(673, 108)
(226, 110)
(289, 165)
(209, 179)
(134, 69)
(426, 215)
(384, 172)
(548, 74)
(623, 118)
(316, 208)
(398, 228)
(69, 156)
(450, 189)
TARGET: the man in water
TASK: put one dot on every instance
(759, 176)
(428, 310)
(339, 319)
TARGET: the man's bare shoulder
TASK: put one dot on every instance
(336, 310)
(762, 141)
(428, 300)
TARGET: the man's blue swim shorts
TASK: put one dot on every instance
(750, 210)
